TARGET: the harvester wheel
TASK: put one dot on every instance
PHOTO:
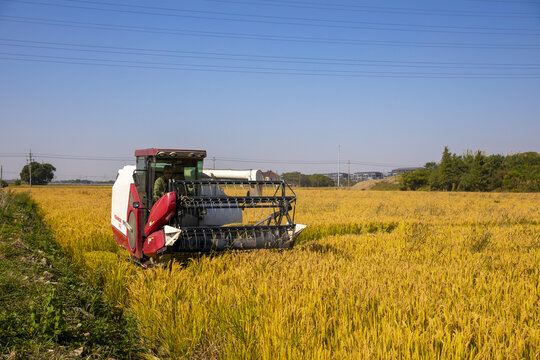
(132, 233)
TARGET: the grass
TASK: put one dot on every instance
(385, 186)
(47, 308)
(376, 275)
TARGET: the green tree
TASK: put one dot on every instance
(512, 180)
(476, 177)
(434, 179)
(296, 178)
(42, 174)
(414, 180)
(320, 180)
(449, 171)
(478, 172)
(440, 177)
(493, 166)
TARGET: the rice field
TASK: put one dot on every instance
(376, 275)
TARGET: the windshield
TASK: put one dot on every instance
(161, 171)
(179, 169)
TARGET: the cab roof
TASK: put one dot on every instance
(160, 152)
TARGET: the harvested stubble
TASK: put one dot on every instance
(377, 275)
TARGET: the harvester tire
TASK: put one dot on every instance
(132, 233)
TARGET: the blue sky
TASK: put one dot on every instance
(266, 84)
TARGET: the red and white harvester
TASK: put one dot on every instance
(167, 203)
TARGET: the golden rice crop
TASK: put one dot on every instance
(376, 275)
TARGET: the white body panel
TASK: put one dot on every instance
(120, 198)
(171, 234)
(234, 174)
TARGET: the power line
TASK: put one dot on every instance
(79, 176)
(66, 157)
(253, 70)
(249, 68)
(12, 172)
(382, 9)
(83, 157)
(506, 1)
(224, 159)
(282, 20)
(255, 58)
(13, 155)
(308, 162)
(362, 8)
(244, 36)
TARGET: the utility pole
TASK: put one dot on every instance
(348, 173)
(338, 164)
(214, 163)
(1, 169)
(30, 166)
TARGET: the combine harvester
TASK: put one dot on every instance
(169, 204)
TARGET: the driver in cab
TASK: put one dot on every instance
(162, 182)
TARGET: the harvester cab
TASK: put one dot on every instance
(168, 203)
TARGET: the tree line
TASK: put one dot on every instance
(477, 172)
(296, 178)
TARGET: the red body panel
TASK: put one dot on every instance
(120, 238)
(153, 243)
(161, 213)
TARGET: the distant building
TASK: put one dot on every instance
(403, 170)
(334, 176)
(270, 175)
(366, 175)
